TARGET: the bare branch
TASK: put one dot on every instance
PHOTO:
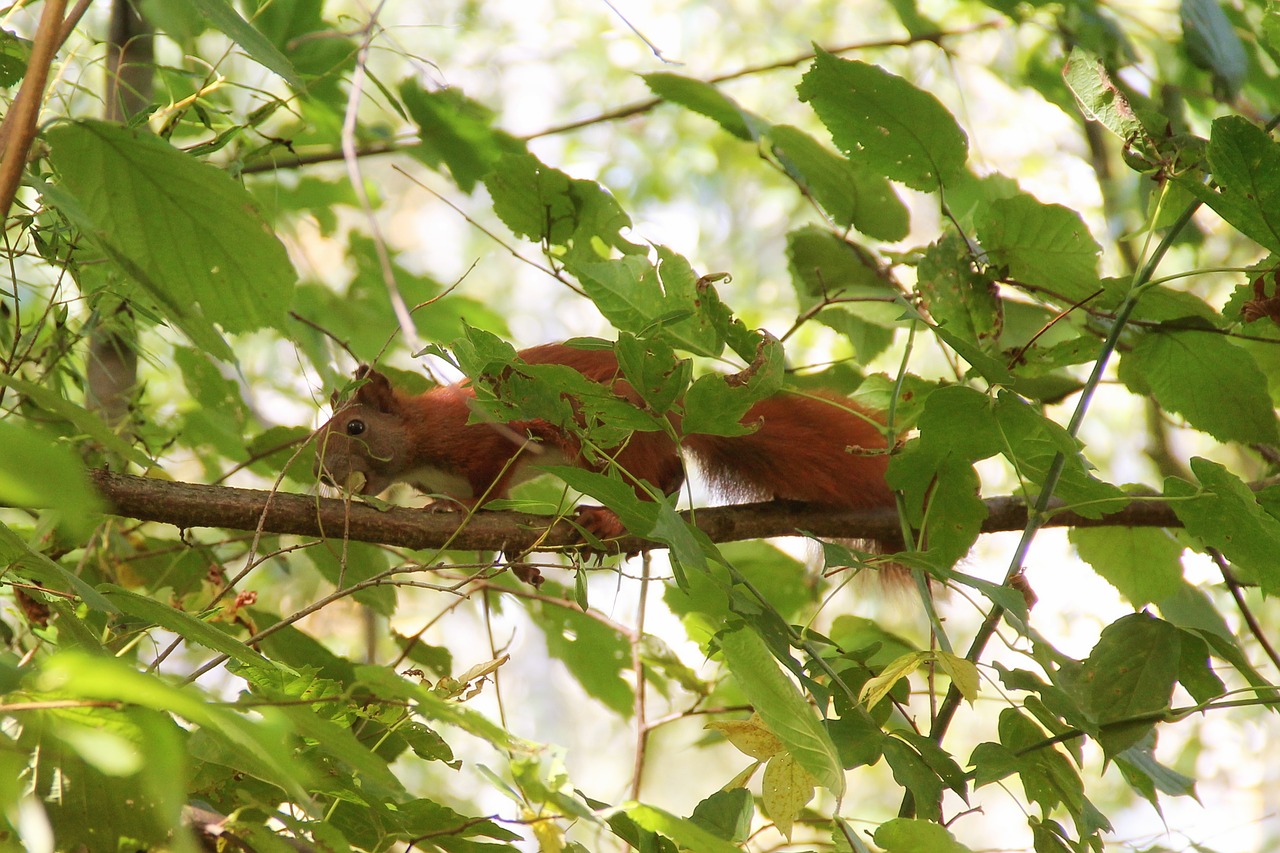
(188, 505)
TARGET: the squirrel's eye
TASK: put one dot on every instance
(355, 427)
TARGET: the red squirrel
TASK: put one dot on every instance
(820, 449)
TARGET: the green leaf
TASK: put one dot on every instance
(81, 418)
(40, 473)
(1144, 564)
(913, 773)
(782, 707)
(1033, 443)
(1047, 775)
(353, 563)
(1195, 672)
(706, 99)
(851, 194)
(957, 296)
(15, 53)
(685, 833)
(185, 231)
(184, 624)
(1147, 775)
(1044, 245)
(544, 204)
(1212, 43)
(824, 265)
(16, 555)
(715, 406)
(456, 131)
(882, 120)
(726, 814)
(636, 296)
(1099, 98)
(224, 16)
(1245, 162)
(904, 835)
(1188, 372)
(595, 654)
(1227, 516)
(1130, 673)
(261, 743)
(341, 743)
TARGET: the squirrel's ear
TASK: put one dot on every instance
(376, 390)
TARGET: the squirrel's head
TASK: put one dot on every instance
(362, 447)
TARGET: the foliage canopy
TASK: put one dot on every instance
(1038, 236)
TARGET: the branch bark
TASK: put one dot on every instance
(187, 505)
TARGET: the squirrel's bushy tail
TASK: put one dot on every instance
(815, 448)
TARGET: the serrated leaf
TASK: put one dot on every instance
(1046, 245)
(1228, 517)
(15, 53)
(456, 131)
(882, 120)
(341, 743)
(595, 654)
(782, 707)
(1130, 673)
(1195, 671)
(544, 204)
(850, 193)
(957, 296)
(192, 237)
(1144, 564)
(1033, 443)
(1245, 162)
(785, 789)
(1100, 99)
(1214, 384)
(824, 265)
(1212, 43)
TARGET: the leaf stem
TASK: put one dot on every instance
(1035, 520)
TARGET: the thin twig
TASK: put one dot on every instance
(1237, 593)
(18, 130)
(352, 160)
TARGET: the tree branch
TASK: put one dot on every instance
(191, 505)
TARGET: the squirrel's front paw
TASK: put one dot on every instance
(600, 522)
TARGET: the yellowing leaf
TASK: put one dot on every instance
(963, 674)
(550, 838)
(786, 789)
(752, 737)
(877, 688)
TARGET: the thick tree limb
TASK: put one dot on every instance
(187, 505)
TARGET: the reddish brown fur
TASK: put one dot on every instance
(816, 449)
